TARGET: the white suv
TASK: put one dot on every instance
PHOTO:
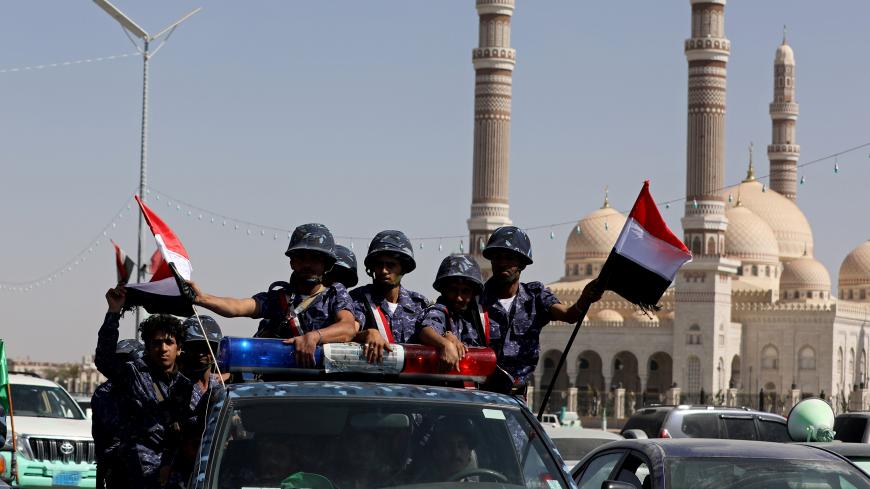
(53, 437)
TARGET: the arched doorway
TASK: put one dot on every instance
(735, 382)
(589, 372)
(660, 373)
(559, 397)
(625, 372)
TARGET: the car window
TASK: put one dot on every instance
(635, 471)
(739, 428)
(773, 430)
(360, 444)
(863, 463)
(700, 425)
(648, 420)
(758, 473)
(598, 470)
(850, 429)
(44, 402)
(577, 448)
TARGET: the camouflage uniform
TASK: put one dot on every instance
(321, 313)
(104, 423)
(402, 322)
(519, 329)
(463, 324)
(149, 429)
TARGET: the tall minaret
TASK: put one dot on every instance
(493, 64)
(703, 287)
(783, 153)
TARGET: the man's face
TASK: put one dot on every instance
(162, 350)
(308, 265)
(386, 270)
(453, 452)
(458, 293)
(196, 356)
(506, 266)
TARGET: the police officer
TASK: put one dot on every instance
(304, 311)
(386, 311)
(105, 418)
(456, 320)
(344, 270)
(153, 396)
(521, 310)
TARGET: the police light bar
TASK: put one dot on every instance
(263, 355)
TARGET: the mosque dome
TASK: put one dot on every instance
(749, 238)
(597, 234)
(854, 279)
(609, 316)
(804, 274)
(789, 225)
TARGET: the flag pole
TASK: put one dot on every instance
(14, 469)
(208, 344)
(561, 362)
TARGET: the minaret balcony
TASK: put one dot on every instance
(784, 110)
(493, 58)
(496, 7)
(783, 151)
(708, 49)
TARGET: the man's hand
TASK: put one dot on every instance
(449, 356)
(591, 293)
(305, 347)
(374, 345)
(461, 348)
(192, 292)
(115, 298)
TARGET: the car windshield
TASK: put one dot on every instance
(723, 473)
(576, 448)
(44, 402)
(359, 444)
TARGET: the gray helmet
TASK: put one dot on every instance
(394, 242)
(131, 348)
(194, 333)
(313, 237)
(345, 266)
(510, 238)
(458, 266)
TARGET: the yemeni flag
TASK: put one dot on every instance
(155, 262)
(646, 257)
(123, 264)
(162, 295)
(4, 379)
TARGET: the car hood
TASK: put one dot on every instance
(51, 427)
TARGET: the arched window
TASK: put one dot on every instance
(694, 335)
(851, 372)
(576, 269)
(711, 246)
(754, 270)
(863, 295)
(839, 371)
(696, 245)
(851, 294)
(807, 358)
(769, 358)
(693, 374)
(588, 269)
(767, 270)
(584, 364)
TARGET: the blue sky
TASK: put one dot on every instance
(359, 115)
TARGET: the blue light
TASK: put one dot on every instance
(261, 355)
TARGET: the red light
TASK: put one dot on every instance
(665, 434)
(478, 363)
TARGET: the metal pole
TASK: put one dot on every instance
(143, 152)
(561, 363)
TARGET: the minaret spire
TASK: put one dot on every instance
(606, 200)
(750, 173)
(784, 152)
(493, 61)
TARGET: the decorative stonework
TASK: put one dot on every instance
(784, 152)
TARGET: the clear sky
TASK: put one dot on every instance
(359, 115)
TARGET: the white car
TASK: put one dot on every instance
(52, 435)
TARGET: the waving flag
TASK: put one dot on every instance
(646, 257)
(162, 294)
(155, 262)
(123, 263)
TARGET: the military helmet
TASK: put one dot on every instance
(394, 242)
(194, 333)
(313, 237)
(459, 266)
(510, 238)
(345, 266)
(131, 348)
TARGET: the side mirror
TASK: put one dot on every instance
(634, 435)
(617, 485)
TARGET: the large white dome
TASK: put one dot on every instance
(791, 228)
(598, 232)
(855, 269)
(804, 273)
(749, 238)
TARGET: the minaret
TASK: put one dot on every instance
(493, 64)
(703, 287)
(783, 153)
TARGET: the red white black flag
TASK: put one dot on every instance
(155, 262)
(163, 293)
(123, 264)
(646, 257)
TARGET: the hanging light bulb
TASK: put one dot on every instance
(730, 198)
(212, 220)
(803, 179)
(275, 236)
(667, 205)
(262, 232)
(351, 245)
(695, 203)
(763, 187)
(157, 197)
(606, 226)
(235, 227)
(440, 247)
(578, 230)
(421, 245)
(552, 235)
(199, 217)
(836, 166)
(461, 247)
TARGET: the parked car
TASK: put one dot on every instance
(720, 464)
(52, 437)
(574, 443)
(708, 422)
(852, 427)
(857, 453)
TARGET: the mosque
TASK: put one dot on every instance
(753, 311)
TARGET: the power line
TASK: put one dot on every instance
(66, 63)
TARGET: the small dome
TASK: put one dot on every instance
(639, 317)
(784, 55)
(749, 238)
(804, 273)
(788, 223)
(598, 233)
(609, 315)
(855, 269)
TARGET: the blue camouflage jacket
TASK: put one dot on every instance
(402, 322)
(105, 421)
(466, 324)
(518, 346)
(149, 428)
(322, 312)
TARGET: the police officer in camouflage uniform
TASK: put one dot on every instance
(302, 310)
(456, 320)
(105, 417)
(153, 396)
(386, 311)
(520, 310)
(344, 270)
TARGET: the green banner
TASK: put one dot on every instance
(4, 378)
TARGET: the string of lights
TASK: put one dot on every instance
(251, 228)
(67, 63)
